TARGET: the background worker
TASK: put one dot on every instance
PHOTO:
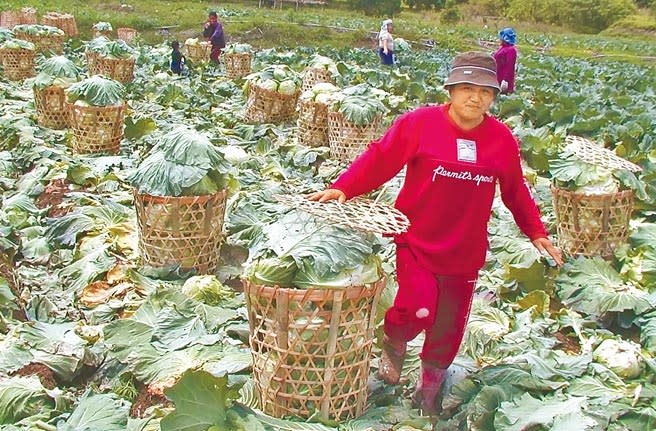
(455, 155)
(177, 59)
(213, 31)
(506, 57)
(386, 43)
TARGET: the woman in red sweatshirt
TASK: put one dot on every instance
(455, 154)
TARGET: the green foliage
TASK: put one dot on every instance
(21, 397)
(590, 16)
(450, 15)
(633, 24)
(301, 252)
(200, 402)
(425, 4)
(184, 163)
(101, 412)
(378, 7)
(97, 91)
(490, 7)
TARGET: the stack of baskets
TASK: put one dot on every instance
(593, 224)
(126, 33)
(63, 21)
(347, 140)
(51, 41)
(314, 75)
(18, 64)
(185, 231)
(199, 52)
(237, 64)
(270, 106)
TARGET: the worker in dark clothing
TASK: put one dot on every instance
(177, 59)
(214, 33)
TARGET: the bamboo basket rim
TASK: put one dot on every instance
(179, 199)
(598, 196)
(276, 94)
(312, 293)
(97, 108)
(237, 54)
(19, 49)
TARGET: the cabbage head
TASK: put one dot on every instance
(273, 271)
(207, 289)
(287, 87)
(622, 357)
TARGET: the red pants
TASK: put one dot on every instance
(437, 304)
(214, 55)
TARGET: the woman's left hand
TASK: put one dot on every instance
(544, 244)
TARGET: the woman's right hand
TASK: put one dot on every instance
(328, 195)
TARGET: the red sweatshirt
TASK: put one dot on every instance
(449, 186)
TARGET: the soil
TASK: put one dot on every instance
(7, 272)
(567, 344)
(53, 196)
(44, 373)
(146, 399)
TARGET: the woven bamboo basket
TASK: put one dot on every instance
(63, 21)
(347, 140)
(198, 53)
(119, 69)
(312, 123)
(185, 231)
(10, 19)
(126, 33)
(314, 75)
(18, 64)
(237, 65)
(312, 348)
(96, 129)
(45, 43)
(50, 107)
(267, 106)
(592, 225)
(28, 15)
(91, 62)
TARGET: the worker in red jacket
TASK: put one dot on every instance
(455, 155)
(506, 56)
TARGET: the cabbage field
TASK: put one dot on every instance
(91, 339)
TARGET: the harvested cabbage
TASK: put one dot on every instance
(97, 91)
(622, 357)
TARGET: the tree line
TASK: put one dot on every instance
(582, 15)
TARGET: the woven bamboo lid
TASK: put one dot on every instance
(360, 214)
(595, 154)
